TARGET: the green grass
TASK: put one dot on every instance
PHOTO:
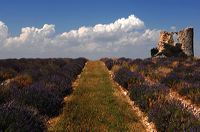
(96, 105)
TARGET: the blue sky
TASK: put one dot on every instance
(69, 15)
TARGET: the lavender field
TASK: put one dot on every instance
(167, 90)
(154, 94)
(32, 91)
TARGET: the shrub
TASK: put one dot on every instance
(146, 96)
(115, 68)
(9, 92)
(59, 82)
(23, 80)
(192, 77)
(125, 77)
(4, 94)
(44, 97)
(153, 75)
(170, 116)
(18, 118)
(7, 74)
(171, 80)
(53, 76)
(191, 91)
(108, 62)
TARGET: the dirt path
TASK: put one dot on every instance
(97, 105)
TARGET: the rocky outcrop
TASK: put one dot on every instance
(180, 48)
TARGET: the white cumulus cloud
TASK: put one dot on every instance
(3, 31)
(31, 36)
(124, 37)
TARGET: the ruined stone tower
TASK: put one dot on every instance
(182, 47)
(185, 37)
(165, 38)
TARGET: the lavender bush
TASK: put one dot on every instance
(125, 77)
(37, 83)
(20, 118)
(170, 116)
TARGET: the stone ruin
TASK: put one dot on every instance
(182, 47)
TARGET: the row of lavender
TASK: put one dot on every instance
(32, 91)
(149, 82)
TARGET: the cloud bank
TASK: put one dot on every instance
(128, 37)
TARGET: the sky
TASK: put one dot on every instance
(91, 28)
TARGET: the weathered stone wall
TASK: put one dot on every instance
(165, 38)
(185, 37)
